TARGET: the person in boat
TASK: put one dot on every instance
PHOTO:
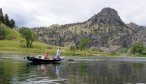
(58, 53)
(46, 55)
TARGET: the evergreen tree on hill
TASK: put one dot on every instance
(6, 20)
(12, 23)
(1, 15)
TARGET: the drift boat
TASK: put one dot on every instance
(40, 60)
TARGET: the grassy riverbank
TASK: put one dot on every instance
(17, 46)
(40, 48)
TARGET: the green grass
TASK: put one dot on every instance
(40, 48)
(10, 33)
(15, 45)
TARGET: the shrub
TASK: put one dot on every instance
(72, 48)
(93, 48)
(83, 43)
(137, 47)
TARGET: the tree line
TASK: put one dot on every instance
(6, 20)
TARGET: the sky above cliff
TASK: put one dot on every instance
(35, 13)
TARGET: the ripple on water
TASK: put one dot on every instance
(41, 81)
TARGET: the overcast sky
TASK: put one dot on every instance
(35, 13)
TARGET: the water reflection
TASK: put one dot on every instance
(45, 73)
(15, 71)
(107, 73)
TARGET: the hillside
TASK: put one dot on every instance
(105, 31)
(15, 43)
(10, 34)
(140, 32)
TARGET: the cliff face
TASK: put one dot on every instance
(107, 16)
(139, 32)
(105, 31)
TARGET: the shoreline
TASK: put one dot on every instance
(122, 55)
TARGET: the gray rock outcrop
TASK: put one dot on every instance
(106, 31)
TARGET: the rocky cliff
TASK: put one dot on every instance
(105, 31)
(139, 32)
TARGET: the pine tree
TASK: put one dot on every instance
(6, 20)
(12, 23)
(1, 15)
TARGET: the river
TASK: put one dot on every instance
(14, 69)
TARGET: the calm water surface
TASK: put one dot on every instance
(14, 69)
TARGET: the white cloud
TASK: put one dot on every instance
(33, 13)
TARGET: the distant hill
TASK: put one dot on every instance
(105, 30)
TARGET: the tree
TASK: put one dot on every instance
(137, 47)
(6, 20)
(12, 23)
(28, 35)
(1, 16)
(83, 43)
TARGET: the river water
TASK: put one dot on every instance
(14, 69)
